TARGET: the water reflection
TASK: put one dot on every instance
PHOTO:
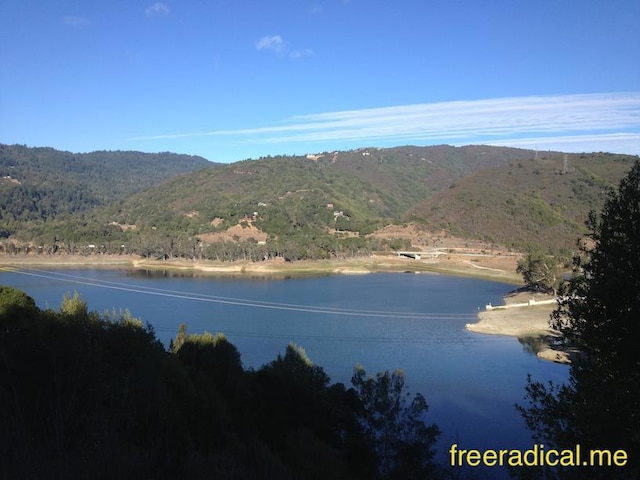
(533, 345)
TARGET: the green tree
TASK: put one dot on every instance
(394, 424)
(13, 301)
(539, 271)
(181, 337)
(600, 315)
(74, 306)
(85, 395)
(300, 417)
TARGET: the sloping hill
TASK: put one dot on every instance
(355, 191)
(40, 184)
(285, 194)
(409, 174)
(505, 196)
(542, 202)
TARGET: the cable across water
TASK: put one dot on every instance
(241, 302)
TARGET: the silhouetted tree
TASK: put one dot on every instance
(88, 395)
(394, 424)
(600, 315)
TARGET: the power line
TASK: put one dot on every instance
(121, 286)
(62, 277)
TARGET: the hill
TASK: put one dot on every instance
(302, 207)
(41, 184)
(324, 205)
(355, 191)
(542, 202)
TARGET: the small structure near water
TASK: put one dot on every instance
(532, 302)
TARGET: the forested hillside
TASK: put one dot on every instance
(532, 202)
(314, 206)
(43, 184)
(370, 187)
(306, 207)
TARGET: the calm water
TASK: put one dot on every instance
(383, 321)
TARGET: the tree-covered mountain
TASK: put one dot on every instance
(313, 206)
(44, 184)
(540, 201)
(356, 191)
(511, 197)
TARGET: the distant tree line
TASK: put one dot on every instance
(96, 239)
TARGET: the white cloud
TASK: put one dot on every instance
(75, 21)
(306, 52)
(276, 43)
(612, 143)
(158, 8)
(590, 120)
(270, 42)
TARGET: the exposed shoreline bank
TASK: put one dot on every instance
(452, 265)
(530, 324)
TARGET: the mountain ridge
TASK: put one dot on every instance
(321, 202)
(40, 183)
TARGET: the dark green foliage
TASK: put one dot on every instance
(15, 303)
(298, 415)
(43, 184)
(394, 425)
(539, 271)
(88, 395)
(600, 315)
(76, 394)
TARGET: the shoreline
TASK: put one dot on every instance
(278, 268)
(529, 324)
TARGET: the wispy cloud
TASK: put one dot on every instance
(305, 52)
(75, 21)
(519, 121)
(613, 143)
(270, 42)
(158, 8)
(276, 43)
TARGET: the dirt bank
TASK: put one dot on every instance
(492, 267)
(530, 324)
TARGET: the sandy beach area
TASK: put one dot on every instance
(530, 324)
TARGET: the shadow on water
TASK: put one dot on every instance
(535, 344)
(564, 353)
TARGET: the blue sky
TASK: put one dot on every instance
(236, 79)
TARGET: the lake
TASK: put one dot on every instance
(412, 322)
